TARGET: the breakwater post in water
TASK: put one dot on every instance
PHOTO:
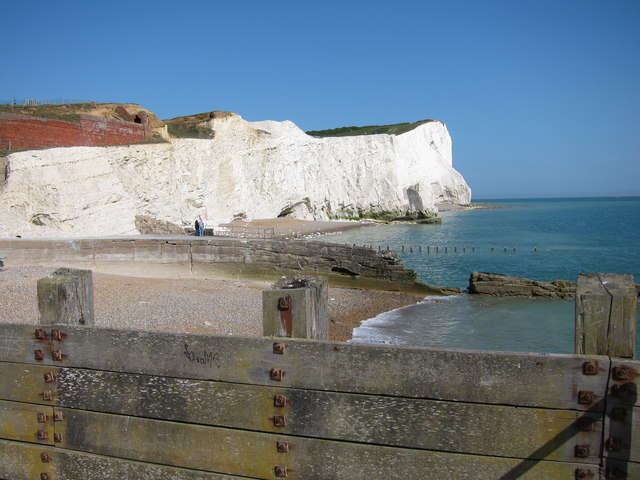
(446, 248)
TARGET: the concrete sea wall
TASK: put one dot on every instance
(349, 266)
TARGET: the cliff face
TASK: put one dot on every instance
(247, 170)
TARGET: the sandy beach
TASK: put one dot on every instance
(197, 305)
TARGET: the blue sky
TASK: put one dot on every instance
(542, 98)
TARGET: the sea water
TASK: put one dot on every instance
(539, 239)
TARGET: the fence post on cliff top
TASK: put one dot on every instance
(66, 297)
(606, 306)
(296, 307)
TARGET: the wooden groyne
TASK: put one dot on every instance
(78, 402)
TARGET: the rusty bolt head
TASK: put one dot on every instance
(585, 424)
(284, 303)
(616, 472)
(613, 444)
(47, 395)
(49, 377)
(45, 476)
(57, 355)
(42, 417)
(590, 368)
(276, 374)
(622, 390)
(56, 335)
(621, 372)
(618, 414)
(45, 457)
(279, 348)
(40, 334)
(582, 451)
(39, 354)
(57, 437)
(281, 471)
(279, 401)
(42, 435)
(583, 474)
(282, 446)
(58, 416)
(586, 397)
(280, 421)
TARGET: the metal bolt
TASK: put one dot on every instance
(279, 421)
(616, 472)
(614, 444)
(583, 474)
(618, 414)
(42, 435)
(39, 354)
(40, 334)
(58, 416)
(621, 372)
(284, 303)
(57, 355)
(47, 395)
(45, 476)
(279, 348)
(42, 417)
(276, 374)
(590, 368)
(621, 390)
(45, 457)
(279, 401)
(282, 446)
(281, 471)
(56, 335)
(586, 397)
(585, 424)
(57, 437)
(582, 451)
(49, 377)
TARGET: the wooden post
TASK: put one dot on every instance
(296, 307)
(606, 306)
(66, 297)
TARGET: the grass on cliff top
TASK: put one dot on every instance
(69, 112)
(395, 129)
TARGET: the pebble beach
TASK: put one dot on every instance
(196, 305)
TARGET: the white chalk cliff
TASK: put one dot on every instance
(248, 169)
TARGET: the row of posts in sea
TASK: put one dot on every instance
(443, 249)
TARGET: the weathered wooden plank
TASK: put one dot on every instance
(617, 469)
(415, 423)
(21, 461)
(606, 315)
(622, 440)
(18, 344)
(625, 381)
(486, 377)
(26, 423)
(259, 455)
(27, 383)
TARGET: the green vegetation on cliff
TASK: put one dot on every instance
(395, 129)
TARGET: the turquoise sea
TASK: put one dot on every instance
(540, 239)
